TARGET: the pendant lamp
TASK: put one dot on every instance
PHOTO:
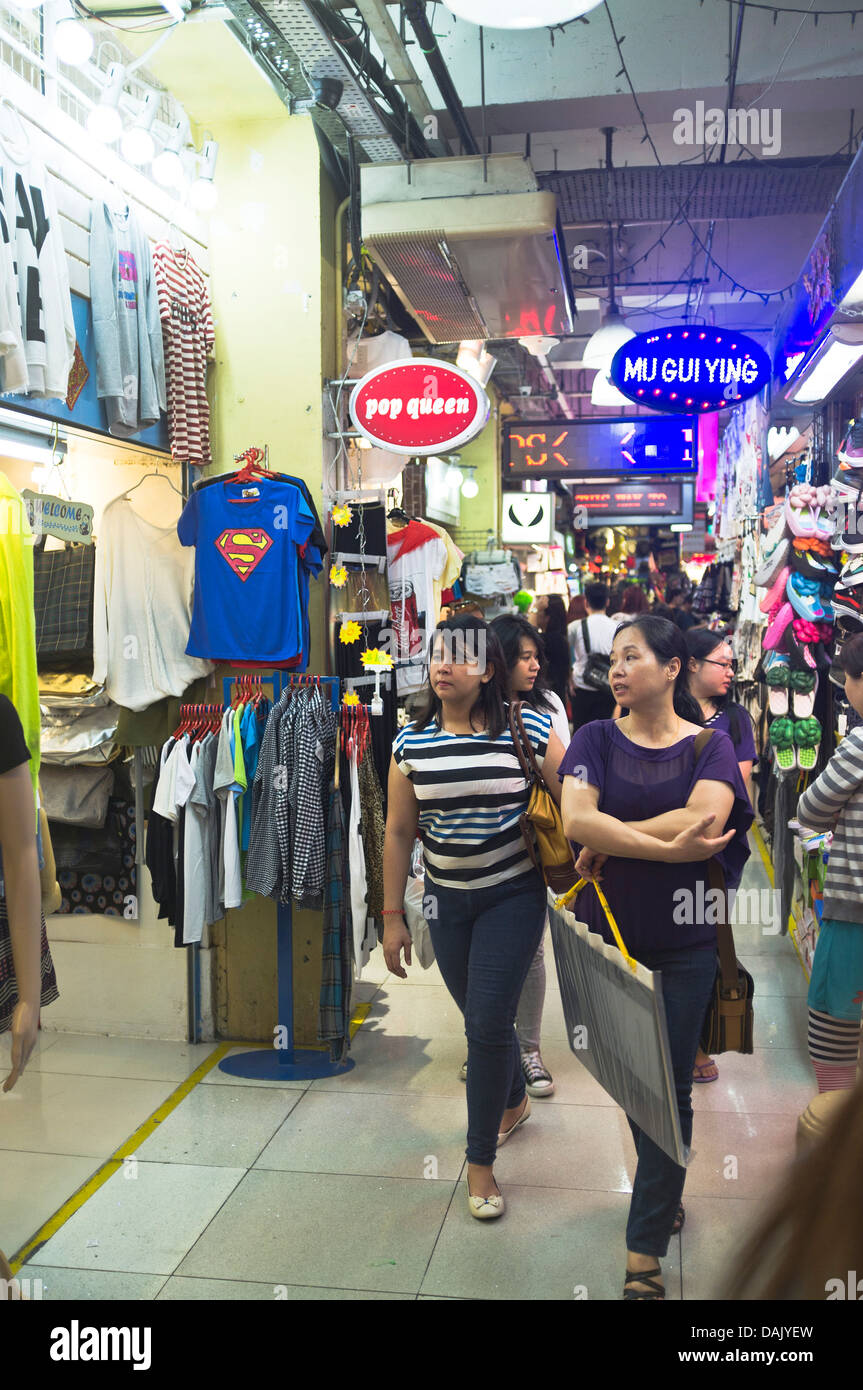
(612, 332)
(520, 14)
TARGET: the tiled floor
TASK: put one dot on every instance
(353, 1187)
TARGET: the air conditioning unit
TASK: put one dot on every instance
(472, 246)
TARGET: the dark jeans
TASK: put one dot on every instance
(687, 981)
(484, 941)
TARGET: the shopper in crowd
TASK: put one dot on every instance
(23, 943)
(811, 1238)
(577, 609)
(484, 899)
(615, 598)
(22, 927)
(633, 601)
(648, 816)
(834, 801)
(552, 625)
(587, 702)
(711, 674)
(523, 654)
(678, 596)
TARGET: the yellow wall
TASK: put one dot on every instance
(272, 290)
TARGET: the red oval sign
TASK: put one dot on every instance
(418, 407)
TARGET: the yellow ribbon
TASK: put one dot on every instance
(567, 898)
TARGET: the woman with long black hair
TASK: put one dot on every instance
(455, 777)
(552, 625)
(649, 814)
(524, 655)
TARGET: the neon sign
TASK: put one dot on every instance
(689, 370)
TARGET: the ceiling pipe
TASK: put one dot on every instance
(415, 12)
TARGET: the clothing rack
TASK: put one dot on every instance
(285, 1063)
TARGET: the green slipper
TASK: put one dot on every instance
(781, 736)
(807, 737)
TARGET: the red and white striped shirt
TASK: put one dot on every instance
(187, 327)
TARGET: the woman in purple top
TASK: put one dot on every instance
(711, 673)
(646, 811)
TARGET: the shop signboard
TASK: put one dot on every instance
(57, 516)
(628, 503)
(689, 369)
(642, 447)
(527, 518)
(418, 406)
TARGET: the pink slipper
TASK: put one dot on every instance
(776, 630)
(776, 592)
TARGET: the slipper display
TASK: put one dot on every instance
(807, 737)
(803, 686)
(804, 506)
(776, 630)
(804, 595)
(818, 547)
(808, 632)
(812, 566)
(773, 562)
(781, 736)
(777, 675)
(776, 593)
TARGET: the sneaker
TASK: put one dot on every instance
(537, 1080)
(850, 451)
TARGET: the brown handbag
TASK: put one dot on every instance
(541, 824)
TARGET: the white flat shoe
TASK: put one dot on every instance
(484, 1208)
(502, 1137)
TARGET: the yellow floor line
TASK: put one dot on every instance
(130, 1146)
(762, 850)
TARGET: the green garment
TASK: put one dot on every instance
(18, 677)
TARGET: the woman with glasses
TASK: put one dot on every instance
(711, 674)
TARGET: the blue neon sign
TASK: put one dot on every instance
(689, 369)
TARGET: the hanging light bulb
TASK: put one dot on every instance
(204, 195)
(137, 144)
(611, 335)
(604, 391)
(168, 166)
(470, 486)
(73, 42)
(104, 121)
(520, 14)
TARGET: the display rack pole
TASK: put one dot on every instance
(284, 1062)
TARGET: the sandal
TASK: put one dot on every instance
(781, 737)
(647, 1276)
(777, 675)
(698, 1072)
(803, 686)
(678, 1221)
(807, 737)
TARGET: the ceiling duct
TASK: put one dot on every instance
(470, 245)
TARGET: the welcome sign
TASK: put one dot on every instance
(688, 369)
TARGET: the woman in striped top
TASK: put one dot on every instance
(456, 779)
(834, 802)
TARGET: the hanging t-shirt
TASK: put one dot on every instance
(412, 572)
(13, 363)
(248, 597)
(30, 225)
(187, 324)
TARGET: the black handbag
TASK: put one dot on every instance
(598, 667)
(63, 585)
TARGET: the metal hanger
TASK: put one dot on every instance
(18, 120)
(152, 474)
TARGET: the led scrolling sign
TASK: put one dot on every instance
(690, 370)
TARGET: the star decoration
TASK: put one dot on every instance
(338, 576)
(352, 698)
(372, 656)
(342, 516)
(349, 632)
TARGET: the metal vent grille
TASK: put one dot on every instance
(740, 190)
(430, 285)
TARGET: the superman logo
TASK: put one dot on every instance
(243, 550)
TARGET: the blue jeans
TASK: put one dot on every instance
(484, 941)
(687, 982)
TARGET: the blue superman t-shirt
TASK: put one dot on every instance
(249, 599)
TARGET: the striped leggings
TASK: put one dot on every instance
(834, 1044)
